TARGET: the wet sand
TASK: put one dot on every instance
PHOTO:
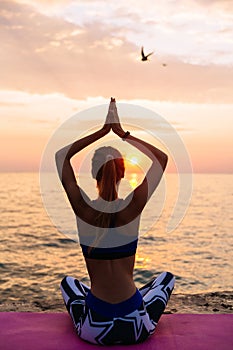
(206, 303)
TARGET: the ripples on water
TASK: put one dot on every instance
(35, 257)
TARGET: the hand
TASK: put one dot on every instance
(115, 121)
(107, 125)
(112, 105)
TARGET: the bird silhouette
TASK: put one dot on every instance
(145, 57)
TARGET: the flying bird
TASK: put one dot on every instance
(145, 57)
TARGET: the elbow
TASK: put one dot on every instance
(60, 155)
(63, 153)
(164, 160)
(60, 160)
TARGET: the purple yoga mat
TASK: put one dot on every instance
(54, 331)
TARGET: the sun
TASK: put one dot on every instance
(133, 163)
(134, 160)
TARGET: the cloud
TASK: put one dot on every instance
(11, 104)
(205, 129)
(41, 54)
(45, 4)
(223, 4)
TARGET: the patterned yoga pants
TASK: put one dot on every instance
(128, 322)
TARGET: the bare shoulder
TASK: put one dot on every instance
(127, 213)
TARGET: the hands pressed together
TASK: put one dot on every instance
(112, 121)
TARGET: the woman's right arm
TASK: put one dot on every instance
(78, 199)
(159, 159)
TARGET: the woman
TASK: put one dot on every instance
(112, 310)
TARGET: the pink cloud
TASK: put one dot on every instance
(41, 54)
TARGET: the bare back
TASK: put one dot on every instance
(107, 275)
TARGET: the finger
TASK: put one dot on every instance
(116, 118)
(110, 116)
(111, 105)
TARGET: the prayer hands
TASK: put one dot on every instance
(115, 120)
(108, 121)
(112, 120)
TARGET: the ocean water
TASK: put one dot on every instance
(35, 256)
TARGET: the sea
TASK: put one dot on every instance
(35, 255)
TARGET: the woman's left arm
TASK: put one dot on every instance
(65, 170)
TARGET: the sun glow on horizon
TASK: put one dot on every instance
(134, 160)
(133, 181)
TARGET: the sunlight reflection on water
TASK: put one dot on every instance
(35, 256)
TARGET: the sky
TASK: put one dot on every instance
(58, 58)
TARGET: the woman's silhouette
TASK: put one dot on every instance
(112, 310)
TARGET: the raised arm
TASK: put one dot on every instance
(159, 159)
(65, 171)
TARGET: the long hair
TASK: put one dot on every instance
(108, 169)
